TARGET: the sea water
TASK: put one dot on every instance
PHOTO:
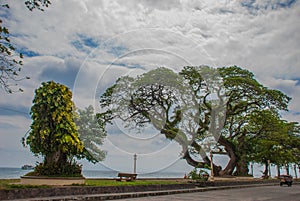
(16, 173)
(12, 173)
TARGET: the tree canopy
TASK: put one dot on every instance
(272, 140)
(201, 108)
(245, 95)
(168, 102)
(91, 133)
(53, 132)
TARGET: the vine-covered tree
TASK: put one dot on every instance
(53, 132)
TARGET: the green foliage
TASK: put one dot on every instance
(11, 60)
(245, 95)
(91, 133)
(198, 104)
(166, 100)
(198, 174)
(71, 169)
(53, 125)
(53, 132)
(273, 139)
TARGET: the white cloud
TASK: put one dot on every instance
(99, 38)
(151, 156)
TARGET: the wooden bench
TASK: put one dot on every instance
(126, 176)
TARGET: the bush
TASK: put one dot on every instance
(198, 175)
(53, 169)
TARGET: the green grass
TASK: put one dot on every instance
(6, 183)
(13, 183)
(92, 182)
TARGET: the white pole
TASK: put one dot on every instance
(211, 166)
(134, 163)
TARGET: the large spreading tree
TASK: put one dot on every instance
(172, 105)
(200, 107)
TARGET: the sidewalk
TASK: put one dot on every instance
(113, 196)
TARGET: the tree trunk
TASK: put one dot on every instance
(229, 147)
(278, 170)
(242, 168)
(266, 172)
(57, 157)
(198, 164)
(184, 144)
(230, 167)
(287, 168)
(295, 170)
(242, 162)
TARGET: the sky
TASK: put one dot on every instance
(88, 44)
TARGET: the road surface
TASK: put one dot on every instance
(264, 193)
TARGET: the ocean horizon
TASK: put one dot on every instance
(16, 173)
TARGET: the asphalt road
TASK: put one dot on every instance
(264, 193)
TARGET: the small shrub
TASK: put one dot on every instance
(200, 174)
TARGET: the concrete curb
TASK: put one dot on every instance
(114, 196)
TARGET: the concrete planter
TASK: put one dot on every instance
(51, 181)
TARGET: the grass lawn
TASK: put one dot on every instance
(6, 183)
(12, 183)
(91, 182)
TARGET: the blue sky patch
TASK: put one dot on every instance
(226, 11)
(298, 81)
(115, 49)
(128, 65)
(248, 4)
(28, 53)
(296, 113)
(252, 6)
(78, 45)
(85, 43)
(8, 110)
(64, 76)
(90, 42)
(5, 14)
